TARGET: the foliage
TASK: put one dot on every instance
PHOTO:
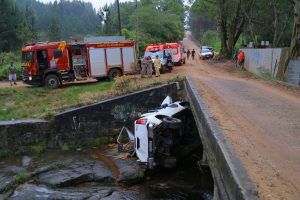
(20, 178)
(37, 149)
(26, 21)
(242, 18)
(6, 59)
(211, 38)
(54, 31)
(68, 147)
(157, 20)
(9, 19)
(121, 83)
(4, 153)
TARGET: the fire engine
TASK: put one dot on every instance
(164, 53)
(52, 63)
(178, 52)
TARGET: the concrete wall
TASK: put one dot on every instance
(231, 180)
(81, 126)
(294, 72)
(106, 118)
(263, 60)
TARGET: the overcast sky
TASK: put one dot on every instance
(96, 3)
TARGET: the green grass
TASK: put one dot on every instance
(20, 178)
(32, 102)
(41, 102)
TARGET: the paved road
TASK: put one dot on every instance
(260, 119)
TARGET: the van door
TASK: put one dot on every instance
(97, 62)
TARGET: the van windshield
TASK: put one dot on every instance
(153, 54)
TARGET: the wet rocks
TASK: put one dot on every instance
(78, 172)
(90, 175)
(41, 192)
(8, 174)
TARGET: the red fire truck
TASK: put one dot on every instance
(164, 53)
(51, 64)
(178, 52)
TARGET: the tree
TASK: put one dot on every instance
(54, 32)
(9, 20)
(295, 43)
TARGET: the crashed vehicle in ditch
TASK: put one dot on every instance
(165, 135)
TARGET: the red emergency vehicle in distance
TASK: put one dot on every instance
(178, 52)
(164, 53)
(52, 63)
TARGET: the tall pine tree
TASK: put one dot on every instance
(54, 32)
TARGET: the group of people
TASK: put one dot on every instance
(146, 65)
(188, 53)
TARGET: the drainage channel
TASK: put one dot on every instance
(210, 171)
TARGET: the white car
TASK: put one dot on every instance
(206, 54)
(160, 136)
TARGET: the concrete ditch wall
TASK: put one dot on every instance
(99, 122)
(264, 60)
(230, 177)
(106, 118)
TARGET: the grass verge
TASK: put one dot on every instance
(40, 102)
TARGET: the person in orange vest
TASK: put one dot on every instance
(241, 59)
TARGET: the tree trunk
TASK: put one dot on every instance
(295, 43)
(223, 26)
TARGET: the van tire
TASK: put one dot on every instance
(113, 73)
(172, 123)
(52, 81)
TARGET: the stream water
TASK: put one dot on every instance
(185, 181)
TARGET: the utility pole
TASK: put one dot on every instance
(119, 17)
(136, 31)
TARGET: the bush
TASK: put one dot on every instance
(5, 60)
(211, 38)
(122, 84)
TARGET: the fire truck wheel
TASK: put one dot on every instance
(52, 81)
(171, 123)
(113, 73)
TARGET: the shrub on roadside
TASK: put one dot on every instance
(5, 60)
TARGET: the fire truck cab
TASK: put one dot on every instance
(164, 53)
(178, 52)
(51, 64)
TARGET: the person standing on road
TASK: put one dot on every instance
(149, 67)
(12, 76)
(241, 59)
(188, 53)
(144, 67)
(193, 54)
(157, 65)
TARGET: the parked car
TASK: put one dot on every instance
(165, 135)
(205, 54)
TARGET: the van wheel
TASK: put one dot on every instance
(113, 73)
(171, 123)
(52, 81)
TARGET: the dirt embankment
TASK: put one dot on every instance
(261, 119)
